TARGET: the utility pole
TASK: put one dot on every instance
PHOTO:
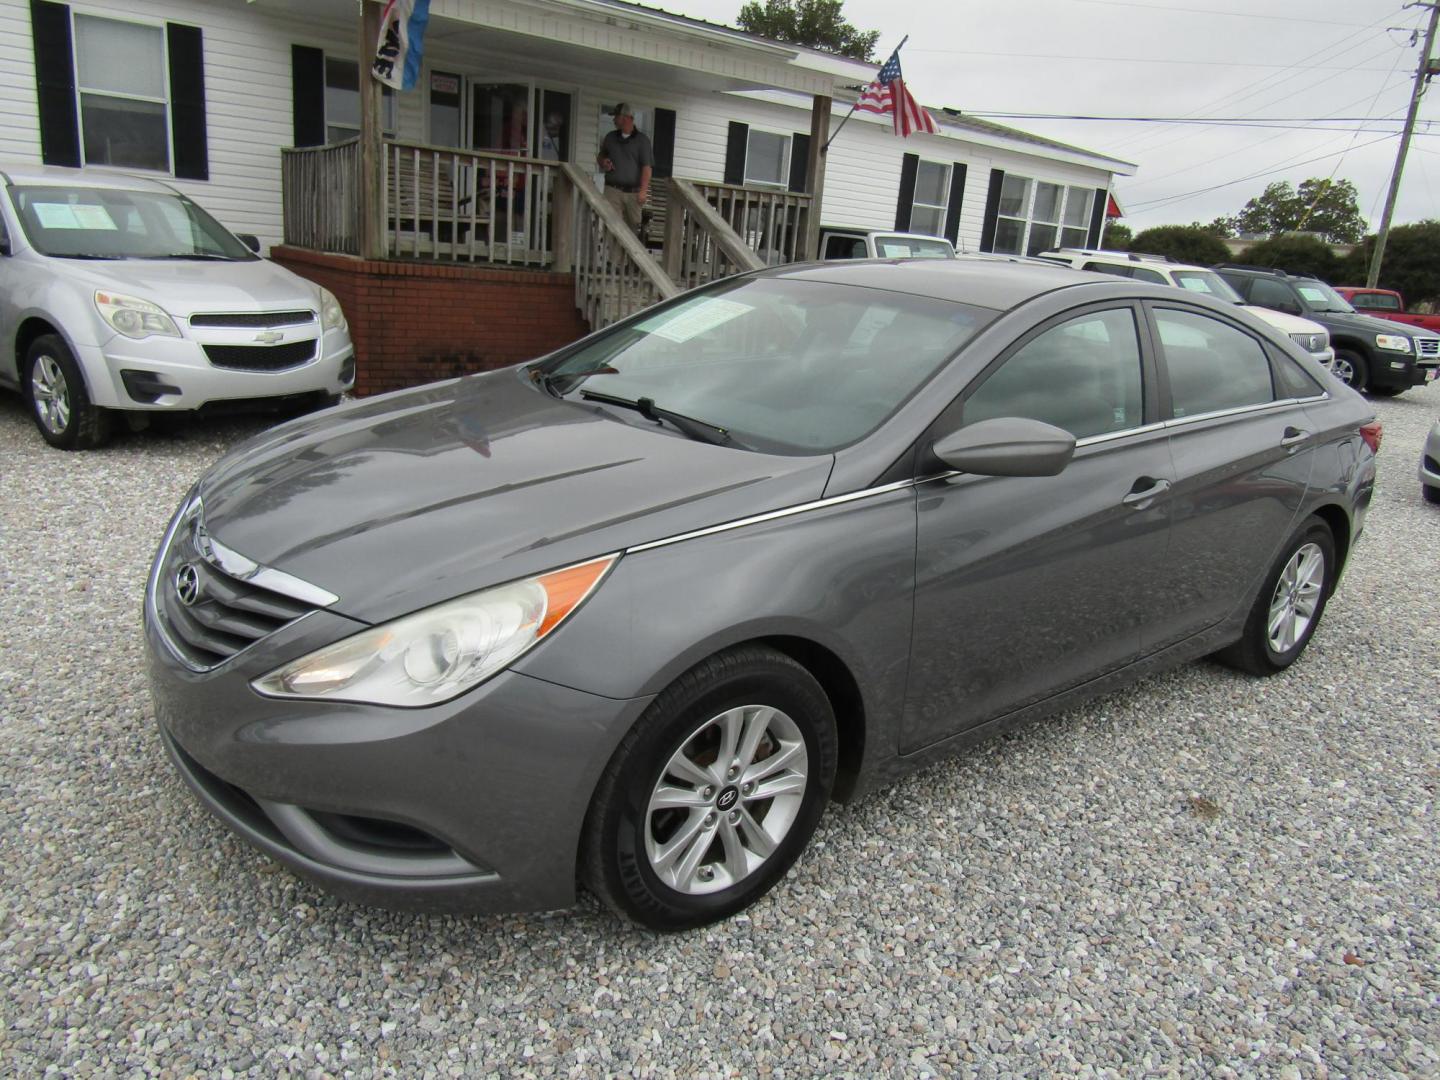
(1422, 78)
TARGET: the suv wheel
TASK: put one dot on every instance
(1350, 368)
(55, 391)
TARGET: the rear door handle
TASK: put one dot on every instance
(1141, 497)
(1293, 436)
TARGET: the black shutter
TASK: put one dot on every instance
(909, 168)
(307, 94)
(55, 83)
(1097, 216)
(799, 160)
(952, 208)
(662, 143)
(992, 210)
(735, 149)
(191, 155)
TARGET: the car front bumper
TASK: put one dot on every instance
(475, 805)
(175, 374)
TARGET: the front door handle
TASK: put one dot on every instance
(1293, 436)
(1145, 491)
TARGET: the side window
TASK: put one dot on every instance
(844, 247)
(1293, 381)
(1275, 295)
(1212, 365)
(1141, 274)
(1083, 376)
(1109, 268)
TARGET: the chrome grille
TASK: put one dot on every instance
(260, 319)
(1428, 346)
(227, 614)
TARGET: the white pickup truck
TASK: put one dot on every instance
(837, 242)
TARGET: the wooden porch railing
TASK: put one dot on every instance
(614, 275)
(770, 222)
(700, 246)
(321, 195)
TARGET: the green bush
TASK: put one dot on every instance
(1117, 237)
(1411, 266)
(1296, 254)
(1187, 243)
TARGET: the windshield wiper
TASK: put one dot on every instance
(188, 255)
(86, 255)
(686, 425)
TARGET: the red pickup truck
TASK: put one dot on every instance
(1386, 304)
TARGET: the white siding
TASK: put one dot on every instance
(249, 115)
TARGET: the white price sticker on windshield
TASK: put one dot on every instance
(1315, 296)
(65, 216)
(691, 321)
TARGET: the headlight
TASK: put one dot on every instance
(134, 318)
(1394, 342)
(331, 317)
(443, 651)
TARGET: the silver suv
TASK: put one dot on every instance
(119, 293)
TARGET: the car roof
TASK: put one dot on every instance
(60, 176)
(982, 282)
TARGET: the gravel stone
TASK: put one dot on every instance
(1205, 875)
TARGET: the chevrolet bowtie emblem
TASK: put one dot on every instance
(269, 337)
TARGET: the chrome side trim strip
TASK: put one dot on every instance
(1111, 436)
(1243, 410)
(775, 515)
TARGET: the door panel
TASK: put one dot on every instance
(1027, 586)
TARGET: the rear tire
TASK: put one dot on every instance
(1288, 607)
(714, 794)
(1351, 369)
(55, 391)
(1432, 494)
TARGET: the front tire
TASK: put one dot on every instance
(1351, 369)
(1289, 605)
(1432, 494)
(713, 795)
(59, 404)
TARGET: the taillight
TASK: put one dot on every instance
(1371, 434)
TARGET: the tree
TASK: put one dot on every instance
(1188, 243)
(1323, 206)
(1297, 254)
(1411, 266)
(1223, 227)
(816, 23)
(1117, 237)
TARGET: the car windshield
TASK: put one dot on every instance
(111, 223)
(1320, 297)
(912, 247)
(772, 363)
(1208, 282)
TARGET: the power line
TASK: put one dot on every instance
(1169, 199)
(1217, 120)
(1212, 12)
(1135, 60)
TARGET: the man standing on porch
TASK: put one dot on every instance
(627, 160)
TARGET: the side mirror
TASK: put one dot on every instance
(250, 240)
(1007, 446)
(4, 245)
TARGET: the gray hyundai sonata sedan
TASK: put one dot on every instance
(630, 615)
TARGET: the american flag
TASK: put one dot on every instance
(887, 95)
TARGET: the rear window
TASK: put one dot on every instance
(1374, 301)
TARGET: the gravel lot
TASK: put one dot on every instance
(1206, 875)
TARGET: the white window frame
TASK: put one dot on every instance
(783, 184)
(943, 207)
(388, 103)
(1027, 221)
(81, 89)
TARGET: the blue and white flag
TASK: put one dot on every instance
(402, 40)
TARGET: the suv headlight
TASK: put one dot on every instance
(1393, 342)
(133, 317)
(331, 315)
(441, 652)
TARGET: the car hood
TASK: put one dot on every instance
(400, 502)
(1364, 324)
(186, 286)
(1284, 322)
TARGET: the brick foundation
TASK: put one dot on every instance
(415, 322)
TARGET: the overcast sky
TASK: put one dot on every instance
(1293, 60)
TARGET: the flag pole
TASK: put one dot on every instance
(857, 100)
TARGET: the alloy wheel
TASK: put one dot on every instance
(1297, 595)
(726, 799)
(1344, 370)
(51, 394)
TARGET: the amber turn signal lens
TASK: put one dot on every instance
(565, 589)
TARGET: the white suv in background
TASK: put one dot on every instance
(119, 293)
(1310, 336)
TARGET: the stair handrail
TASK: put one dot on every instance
(639, 257)
(731, 245)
